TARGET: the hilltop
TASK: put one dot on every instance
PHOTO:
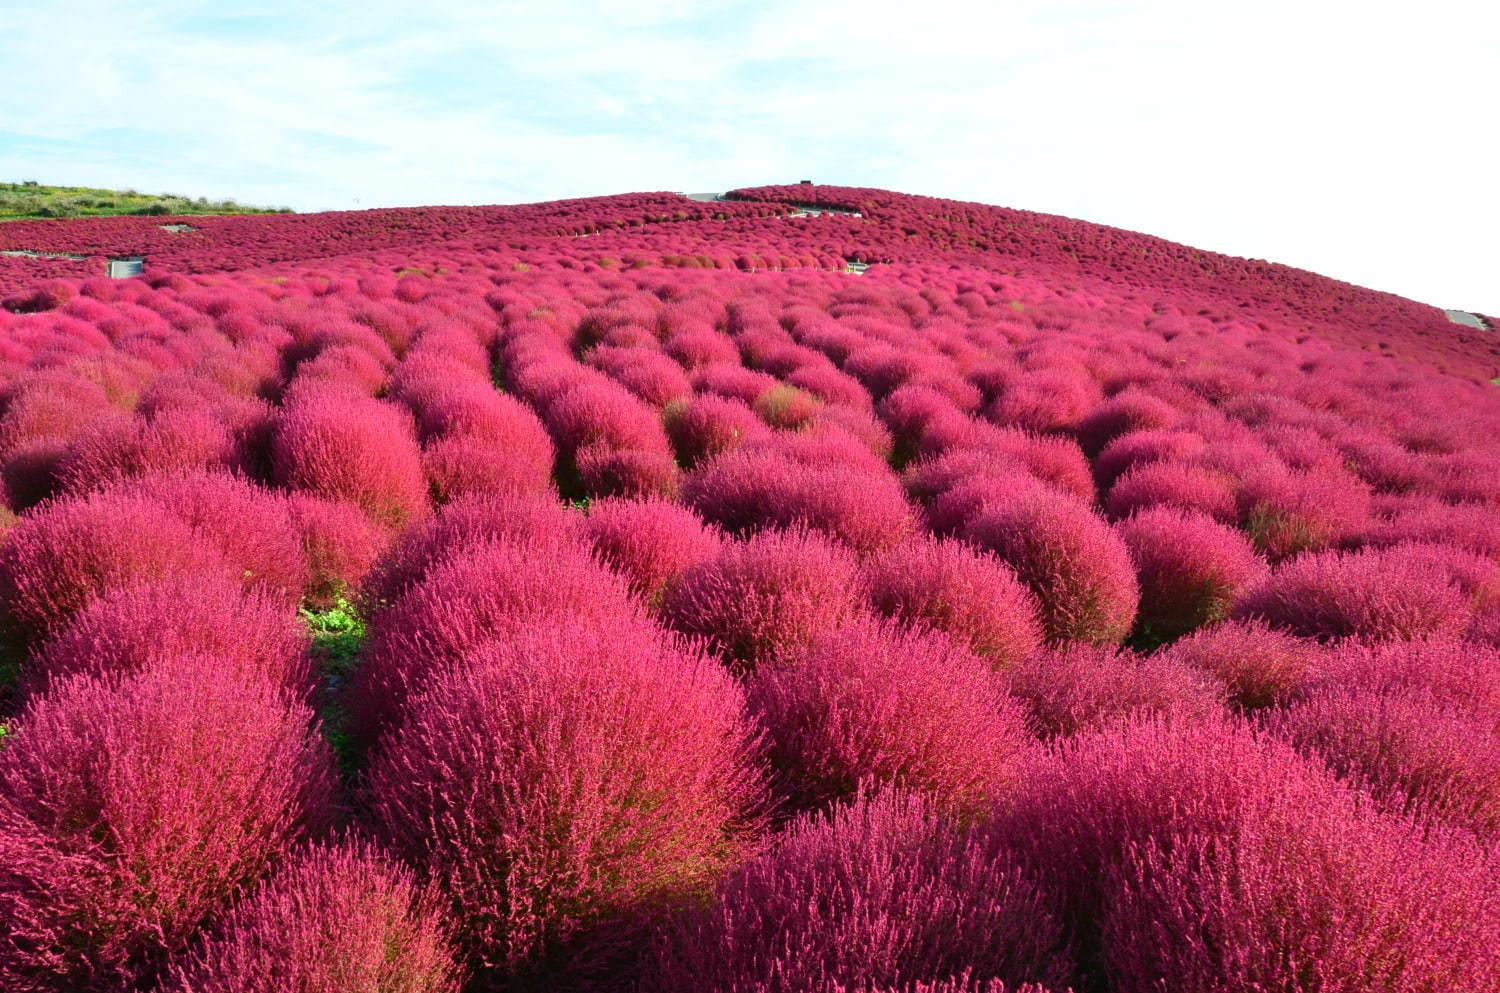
(33, 200)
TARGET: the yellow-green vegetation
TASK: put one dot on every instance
(31, 200)
(338, 634)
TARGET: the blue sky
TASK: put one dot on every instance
(1352, 139)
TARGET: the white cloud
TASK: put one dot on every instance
(1331, 136)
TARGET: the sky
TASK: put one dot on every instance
(1355, 140)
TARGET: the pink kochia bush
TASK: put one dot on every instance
(650, 542)
(746, 490)
(1205, 857)
(511, 517)
(1258, 665)
(1373, 593)
(563, 787)
(878, 894)
(1083, 687)
(200, 615)
(345, 446)
(1073, 561)
(133, 809)
(64, 554)
(762, 598)
(969, 595)
(333, 920)
(341, 544)
(487, 592)
(1411, 748)
(1190, 568)
(873, 704)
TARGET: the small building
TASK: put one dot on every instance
(127, 267)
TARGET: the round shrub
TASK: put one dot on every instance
(1207, 854)
(1045, 400)
(877, 894)
(1258, 665)
(345, 446)
(1138, 448)
(969, 595)
(486, 592)
(748, 490)
(251, 525)
(762, 598)
(627, 472)
(136, 808)
(1457, 674)
(1174, 484)
(1190, 568)
(1416, 752)
(1290, 512)
(156, 620)
(709, 425)
(334, 920)
(64, 554)
(341, 545)
(1073, 561)
(1381, 594)
(650, 542)
(513, 517)
(600, 412)
(1085, 687)
(119, 446)
(564, 786)
(873, 704)
(1129, 410)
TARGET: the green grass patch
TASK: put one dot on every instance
(338, 636)
(36, 201)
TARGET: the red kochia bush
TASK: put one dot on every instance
(627, 472)
(346, 446)
(878, 894)
(251, 525)
(746, 490)
(761, 598)
(1407, 745)
(565, 785)
(334, 920)
(62, 555)
(513, 517)
(709, 425)
(1174, 484)
(969, 595)
(1129, 410)
(121, 446)
(1372, 593)
(1191, 570)
(156, 620)
(651, 542)
(1073, 561)
(462, 465)
(1259, 666)
(1210, 856)
(135, 809)
(341, 545)
(1290, 512)
(1084, 687)
(486, 592)
(875, 704)
(1457, 673)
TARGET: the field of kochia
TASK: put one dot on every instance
(632, 594)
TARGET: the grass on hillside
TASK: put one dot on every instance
(34, 201)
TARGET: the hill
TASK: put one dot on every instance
(39, 201)
(806, 589)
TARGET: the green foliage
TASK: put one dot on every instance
(338, 635)
(32, 200)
